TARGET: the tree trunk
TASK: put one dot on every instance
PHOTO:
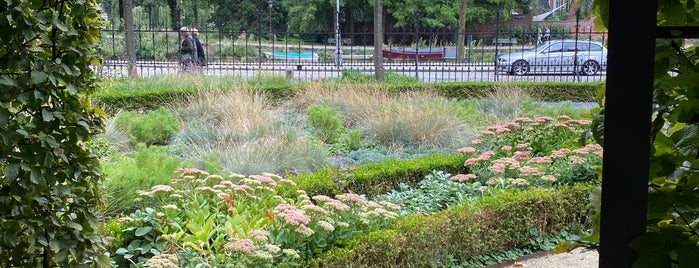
(378, 40)
(130, 40)
(460, 53)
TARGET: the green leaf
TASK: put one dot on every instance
(55, 244)
(47, 115)
(143, 231)
(6, 80)
(22, 132)
(74, 225)
(12, 171)
(38, 77)
(35, 176)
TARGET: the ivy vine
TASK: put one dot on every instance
(49, 180)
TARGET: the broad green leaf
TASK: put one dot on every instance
(74, 225)
(72, 89)
(143, 230)
(47, 115)
(38, 77)
(11, 171)
(6, 80)
(55, 244)
(35, 176)
(4, 116)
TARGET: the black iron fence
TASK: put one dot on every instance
(427, 56)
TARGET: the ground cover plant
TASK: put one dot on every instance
(235, 138)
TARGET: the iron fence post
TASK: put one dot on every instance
(417, 43)
(576, 59)
(497, 33)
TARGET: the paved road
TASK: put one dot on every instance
(305, 71)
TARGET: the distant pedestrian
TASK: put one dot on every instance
(201, 56)
(547, 35)
(188, 50)
(538, 36)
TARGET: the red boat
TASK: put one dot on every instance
(410, 53)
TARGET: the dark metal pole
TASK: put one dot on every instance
(338, 36)
(417, 43)
(497, 34)
(576, 60)
(627, 124)
(259, 40)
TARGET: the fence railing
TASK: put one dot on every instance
(427, 56)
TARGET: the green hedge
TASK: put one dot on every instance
(543, 91)
(377, 178)
(130, 95)
(150, 94)
(468, 234)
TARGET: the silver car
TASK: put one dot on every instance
(556, 57)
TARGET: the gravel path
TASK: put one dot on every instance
(578, 258)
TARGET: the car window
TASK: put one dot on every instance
(595, 47)
(583, 46)
(570, 46)
(557, 47)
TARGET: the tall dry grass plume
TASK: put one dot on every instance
(503, 103)
(245, 133)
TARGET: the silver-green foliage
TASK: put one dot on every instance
(434, 193)
(49, 179)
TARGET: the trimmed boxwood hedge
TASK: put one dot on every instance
(465, 234)
(148, 99)
(377, 178)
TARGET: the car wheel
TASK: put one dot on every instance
(520, 67)
(590, 67)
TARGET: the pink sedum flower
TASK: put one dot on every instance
(463, 177)
(240, 245)
(466, 150)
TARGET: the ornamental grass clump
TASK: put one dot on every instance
(534, 152)
(244, 221)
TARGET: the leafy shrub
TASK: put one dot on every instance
(209, 220)
(351, 140)
(125, 175)
(325, 123)
(154, 127)
(136, 240)
(49, 177)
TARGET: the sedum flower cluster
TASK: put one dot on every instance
(528, 152)
(245, 221)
